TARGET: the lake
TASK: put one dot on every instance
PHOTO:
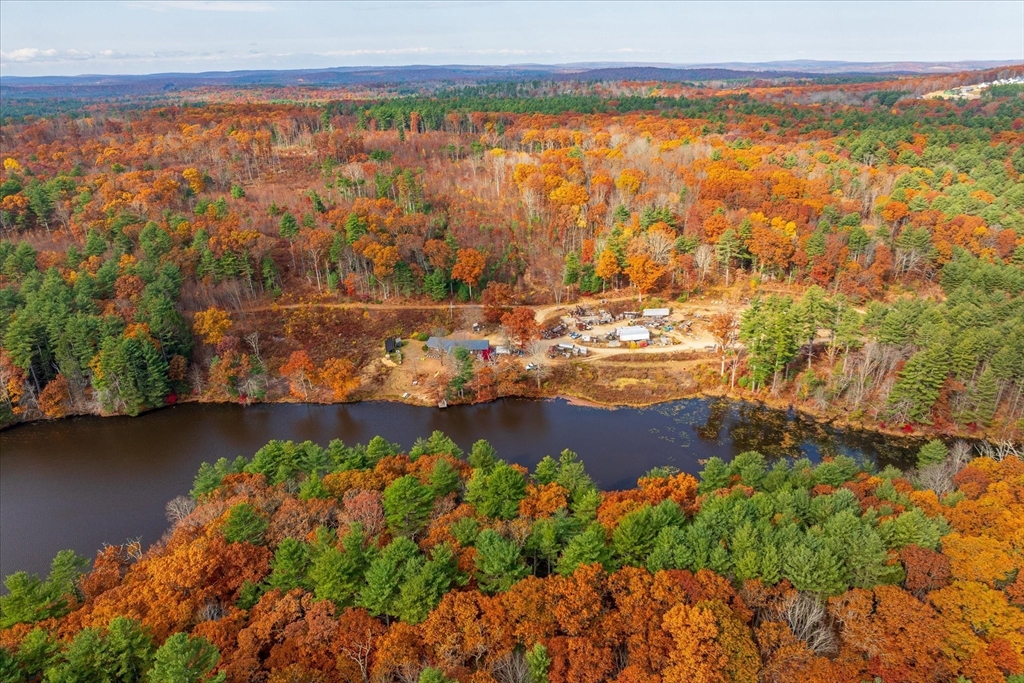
(81, 482)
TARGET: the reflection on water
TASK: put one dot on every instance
(82, 482)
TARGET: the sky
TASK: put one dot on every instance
(156, 36)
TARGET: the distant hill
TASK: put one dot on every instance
(881, 68)
(103, 86)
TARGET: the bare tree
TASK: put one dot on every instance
(253, 340)
(703, 257)
(178, 508)
(939, 476)
(999, 449)
(810, 622)
(511, 668)
(542, 369)
(196, 379)
(659, 245)
(133, 548)
(212, 610)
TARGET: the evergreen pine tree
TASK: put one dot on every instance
(589, 547)
(546, 471)
(129, 650)
(435, 284)
(715, 475)
(634, 537)
(425, 584)
(867, 562)
(917, 387)
(666, 548)
(572, 269)
(244, 525)
(289, 566)
(499, 562)
(407, 505)
(483, 456)
(288, 227)
(771, 564)
(444, 478)
(184, 659)
(932, 453)
(497, 494)
(379, 448)
(984, 395)
(430, 674)
(385, 576)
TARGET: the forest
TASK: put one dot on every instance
(248, 244)
(366, 563)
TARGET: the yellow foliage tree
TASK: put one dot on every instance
(607, 266)
(195, 179)
(212, 324)
(570, 194)
(629, 181)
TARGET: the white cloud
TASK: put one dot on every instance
(395, 51)
(174, 59)
(204, 5)
(27, 54)
(454, 52)
(30, 55)
(34, 55)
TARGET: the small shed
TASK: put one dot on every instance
(634, 333)
(390, 345)
(656, 313)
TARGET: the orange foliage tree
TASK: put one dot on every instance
(55, 397)
(339, 375)
(300, 371)
(643, 273)
(520, 326)
(469, 266)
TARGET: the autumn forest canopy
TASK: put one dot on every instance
(870, 242)
(864, 247)
(364, 563)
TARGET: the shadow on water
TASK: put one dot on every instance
(82, 482)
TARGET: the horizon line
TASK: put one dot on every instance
(770, 66)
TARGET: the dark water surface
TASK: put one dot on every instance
(82, 482)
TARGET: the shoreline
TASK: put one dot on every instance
(807, 413)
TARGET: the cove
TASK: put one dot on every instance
(81, 482)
